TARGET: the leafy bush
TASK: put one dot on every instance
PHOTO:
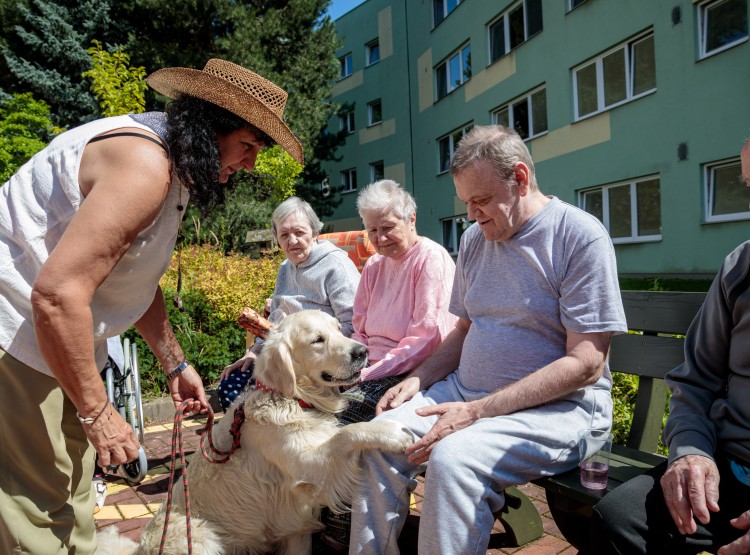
(215, 288)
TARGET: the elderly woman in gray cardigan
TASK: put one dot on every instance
(315, 275)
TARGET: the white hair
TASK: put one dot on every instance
(386, 196)
(295, 205)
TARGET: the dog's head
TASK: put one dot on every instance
(306, 356)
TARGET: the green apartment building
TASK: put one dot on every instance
(634, 110)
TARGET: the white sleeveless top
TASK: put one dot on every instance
(36, 206)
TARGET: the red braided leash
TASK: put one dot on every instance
(177, 445)
(234, 431)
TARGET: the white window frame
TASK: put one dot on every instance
(349, 180)
(510, 107)
(628, 48)
(704, 9)
(633, 183)
(346, 122)
(450, 138)
(371, 112)
(374, 170)
(445, 65)
(445, 10)
(369, 50)
(709, 172)
(454, 241)
(572, 7)
(504, 19)
(345, 66)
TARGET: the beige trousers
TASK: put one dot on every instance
(46, 466)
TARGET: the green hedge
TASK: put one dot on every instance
(215, 289)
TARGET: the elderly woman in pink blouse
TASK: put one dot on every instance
(400, 311)
(401, 305)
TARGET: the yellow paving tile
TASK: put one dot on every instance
(153, 507)
(134, 511)
(116, 487)
(108, 512)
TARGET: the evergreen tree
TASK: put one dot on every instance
(48, 55)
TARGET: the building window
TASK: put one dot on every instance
(453, 229)
(346, 122)
(630, 211)
(527, 115)
(447, 146)
(345, 62)
(575, 4)
(727, 195)
(513, 27)
(441, 9)
(620, 75)
(722, 24)
(372, 53)
(348, 181)
(374, 112)
(377, 171)
(453, 72)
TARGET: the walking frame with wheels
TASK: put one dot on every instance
(124, 392)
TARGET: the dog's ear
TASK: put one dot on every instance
(275, 367)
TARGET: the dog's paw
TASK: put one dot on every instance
(393, 435)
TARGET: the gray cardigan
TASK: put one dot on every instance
(326, 281)
(710, 403)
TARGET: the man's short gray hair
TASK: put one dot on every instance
(501, 146)
(386, 196)
(295, 205)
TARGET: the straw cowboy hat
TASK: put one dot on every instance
(234, 88)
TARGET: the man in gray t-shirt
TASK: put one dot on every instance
(502, 400)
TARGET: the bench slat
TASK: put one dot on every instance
(661, 311)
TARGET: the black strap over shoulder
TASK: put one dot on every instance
(131, 134)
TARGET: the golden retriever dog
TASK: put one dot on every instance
(293, 460)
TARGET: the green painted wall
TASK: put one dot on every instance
(704, 103)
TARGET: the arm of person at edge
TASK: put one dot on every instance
(691, 483)
(123, 171)
(582, 365)
(691, 489)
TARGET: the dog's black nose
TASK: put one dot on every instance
(359, 352)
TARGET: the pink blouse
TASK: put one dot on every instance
(401, 308)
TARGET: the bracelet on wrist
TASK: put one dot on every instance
(89, 420)
(180, 367)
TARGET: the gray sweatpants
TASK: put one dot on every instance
(468, 470)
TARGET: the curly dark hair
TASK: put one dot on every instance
(192, 128)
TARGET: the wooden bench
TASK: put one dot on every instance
(656, 316)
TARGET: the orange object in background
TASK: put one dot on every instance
(254, 322)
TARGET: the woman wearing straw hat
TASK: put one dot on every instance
(87, 228)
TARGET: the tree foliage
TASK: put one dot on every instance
(118, 87)
(294, 44)
(25, 129)
(47, 55)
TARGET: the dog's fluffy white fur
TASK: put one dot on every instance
(292, 461)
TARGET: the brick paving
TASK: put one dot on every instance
(129, 508)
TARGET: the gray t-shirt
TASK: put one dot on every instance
(557, 274)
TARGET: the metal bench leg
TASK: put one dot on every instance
(520, 518)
